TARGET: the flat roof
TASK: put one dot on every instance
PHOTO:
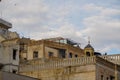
(5, 24)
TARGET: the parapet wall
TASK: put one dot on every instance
(112, 58)
(33, 65)
(36, 65)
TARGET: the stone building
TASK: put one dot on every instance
(54, 58)
(50, 48)
(81, 68)
(9, 48)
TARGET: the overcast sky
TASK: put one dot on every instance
(75, 19)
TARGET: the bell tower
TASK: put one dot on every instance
(88, 50)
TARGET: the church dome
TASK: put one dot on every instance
(89, 46)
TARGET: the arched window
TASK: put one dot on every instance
(70, 55)
(87, 53)
(76, 55)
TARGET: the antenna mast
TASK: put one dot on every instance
(88, 40)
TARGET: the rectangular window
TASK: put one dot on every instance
(107, 78)
(101, 77)
(35, 54)
(70, 55)
(51, 54)
(14, 54)
(112, 78)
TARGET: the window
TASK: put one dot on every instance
(14, 54)
(62, 53)
(35, 54)
(87, 53)
(76, 55)
(51, 54)
(112, 78)
(14, 71)
(70, 55)
(101, 77)
(4, 31)
(107, 78)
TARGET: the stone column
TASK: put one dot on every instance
(43, 49)
(67, 52)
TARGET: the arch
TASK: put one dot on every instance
(76, 55)
(87, 53)
(70, 55)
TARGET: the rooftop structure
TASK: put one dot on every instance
(63, 40)
(5, 24)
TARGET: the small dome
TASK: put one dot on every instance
(89, 46)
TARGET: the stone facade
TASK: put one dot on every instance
(49, 49)
(8, 47)
(82, 68)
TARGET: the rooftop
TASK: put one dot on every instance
(5, 24)
(63, 40)
(89, 46)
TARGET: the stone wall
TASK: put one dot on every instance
(85, 72)
(105, 70)
(10, 76)
(82, 68)
(42, 51)
(10, 64)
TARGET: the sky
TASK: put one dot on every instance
(74, 19)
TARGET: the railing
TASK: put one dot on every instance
(35, 65)
(59, 63)
(112, 58)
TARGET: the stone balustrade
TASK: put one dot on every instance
(35, 65)
(58, 64)
(112, 58)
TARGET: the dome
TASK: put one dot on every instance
(89, 46)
